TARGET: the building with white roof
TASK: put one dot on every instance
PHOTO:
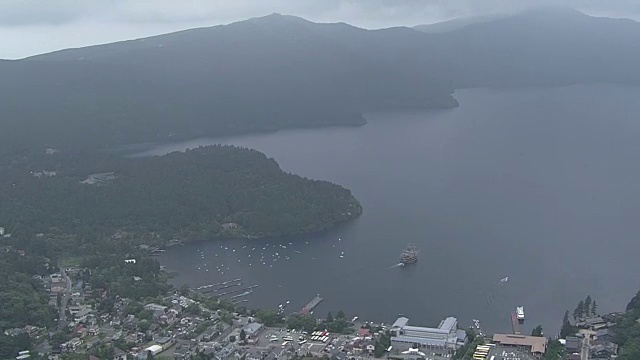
(445, 336)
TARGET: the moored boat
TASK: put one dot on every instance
(409, 255)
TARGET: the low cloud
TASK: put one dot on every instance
(371, 12)
(28, 27)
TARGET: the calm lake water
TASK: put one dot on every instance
(540, 185)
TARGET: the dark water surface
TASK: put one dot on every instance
(539, 185)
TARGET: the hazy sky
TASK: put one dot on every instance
(29, 27)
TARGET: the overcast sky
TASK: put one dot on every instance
(29, 27)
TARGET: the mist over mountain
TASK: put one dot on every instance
(457, 23)
(542, 47)
(281, 71)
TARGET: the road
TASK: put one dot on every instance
(62, 316)
(584, 353)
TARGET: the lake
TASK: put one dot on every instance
(540, 185)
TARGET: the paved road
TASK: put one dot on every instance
(584, 353)
(62, 316)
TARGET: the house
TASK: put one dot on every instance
(603, 351)
(252, 330)
(603, 336)
(155, 307)
(573, 344)
(164, 341)
(73, 343)
(370, 348)
(83, 314)
(80, 330)
(593, 323)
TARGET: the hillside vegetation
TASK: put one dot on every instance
(214, 191)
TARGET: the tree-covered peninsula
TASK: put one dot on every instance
(204, 193)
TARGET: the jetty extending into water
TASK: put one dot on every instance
(515, 324)
(311, 304)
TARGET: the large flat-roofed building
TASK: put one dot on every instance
(445, 336)
(535, 344)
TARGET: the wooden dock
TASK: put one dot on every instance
(515, 324)
(311, 305)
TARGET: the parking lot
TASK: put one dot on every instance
(510, 353)
(266, 336)
(335, 343)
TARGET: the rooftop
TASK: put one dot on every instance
(449, 324)
(252, 328)
(401, 322)
(536, 343)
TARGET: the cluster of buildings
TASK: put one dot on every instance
(170, 328)
(597, 334)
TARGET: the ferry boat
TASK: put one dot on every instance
(520, 313)
(409, 255)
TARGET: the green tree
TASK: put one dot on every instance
(567, 329)
(304, 322)
(580, 309)
(587, 306)
(232, 338)
(594, 308)
(634, 303)
(193, 309)
(243, 335)
(537, 331)
(340, 315)
(269, 317)
(329, 317)
(555, 350)
(144, 325)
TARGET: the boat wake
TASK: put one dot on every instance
(493, 292)
(397, 265)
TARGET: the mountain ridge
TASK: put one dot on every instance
(281, 71)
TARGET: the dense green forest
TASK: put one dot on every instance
(214, 191)
(628, 330)
(23, 298)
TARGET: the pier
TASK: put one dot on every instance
(234, 291)
(311, 305)
(515, 324)
(216, 284)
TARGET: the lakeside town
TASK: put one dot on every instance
(189, 324)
